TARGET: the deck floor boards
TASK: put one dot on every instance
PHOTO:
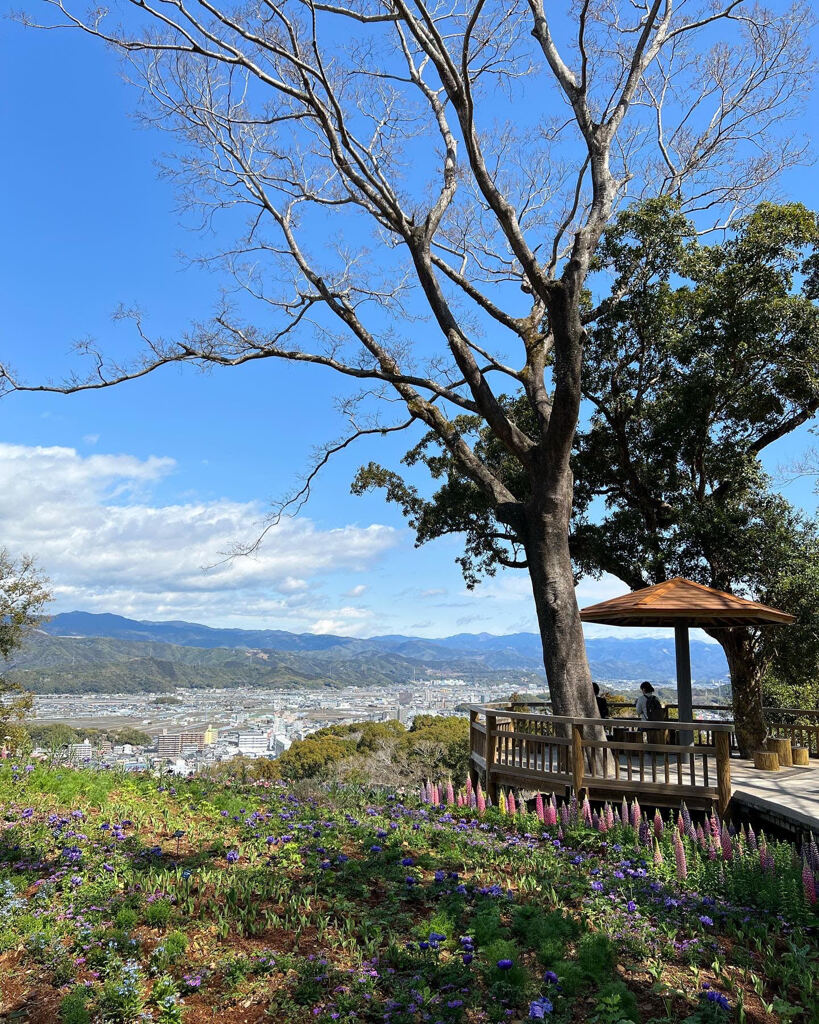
(790, 793)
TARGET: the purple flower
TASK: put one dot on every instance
(505, 965)
(538, 1008)
(706, 920)
(232, 856)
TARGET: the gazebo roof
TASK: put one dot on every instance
(681, 602)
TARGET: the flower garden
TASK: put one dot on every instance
(127, 898)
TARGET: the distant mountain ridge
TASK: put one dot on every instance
(277, 657)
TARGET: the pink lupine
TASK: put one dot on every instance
(609, 816)
(766, 861)
(539, 808)
(658, 825)
(560, 834)
(727, 846)
(468, 787)
(511, 806)
(550, 812)
(712, 848)
(635, 814)
(460, 799)
(658, 853)
(713, 824)
(752, 838)
(808, 883)
(701, 838)
(436, 795)
(564, 813)
(680, 824)
(679, 857)
(480, 800)
(587, 811)
(450, 793)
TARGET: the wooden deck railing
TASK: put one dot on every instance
(553, 753)
(800, 726)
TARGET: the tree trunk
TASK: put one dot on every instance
(746, 683)
(550, 570)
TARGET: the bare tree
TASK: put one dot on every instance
(416, 192)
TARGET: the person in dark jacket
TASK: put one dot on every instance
(602, 703)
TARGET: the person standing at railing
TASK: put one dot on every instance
(602, 703)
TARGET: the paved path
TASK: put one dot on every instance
(791, 794)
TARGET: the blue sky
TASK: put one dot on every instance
(125, 494)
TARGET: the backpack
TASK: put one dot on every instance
(654, 709)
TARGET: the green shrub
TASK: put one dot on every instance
(595, 956)
(157, 914)
(615, 1003)
(74, 1007)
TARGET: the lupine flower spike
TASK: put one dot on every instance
(502, 803)
(658, 825)
(587, 811)
(539, 808)
(480, 800)
(450, 793)
(679, 858)
(808, 883)
(511, 806)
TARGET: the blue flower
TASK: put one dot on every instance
(538, 1008)
(505, 965)
(717, 997)
(706, 920)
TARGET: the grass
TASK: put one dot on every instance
(125, 899)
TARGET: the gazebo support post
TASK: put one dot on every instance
(684, 699)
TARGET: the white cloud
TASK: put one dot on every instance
(357, 591)
(91, 524)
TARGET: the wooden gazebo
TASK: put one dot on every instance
(682, 603)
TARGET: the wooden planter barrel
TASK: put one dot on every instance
(766, 760)
(801, 756)
(782, 749)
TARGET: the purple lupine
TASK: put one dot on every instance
(564, 813)
(766, 861)
(573, 809)
(686, 817)
(423, 794)
(539, 808)
(644, 832)
(752, 838)
(808, 883)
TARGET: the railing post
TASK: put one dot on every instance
(577, 759)
(491, 741)
(723, 744)
(473, 748)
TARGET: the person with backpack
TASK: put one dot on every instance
(648, 704)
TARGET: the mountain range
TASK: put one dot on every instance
(85, 652)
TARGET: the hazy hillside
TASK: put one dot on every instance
(79, 651)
